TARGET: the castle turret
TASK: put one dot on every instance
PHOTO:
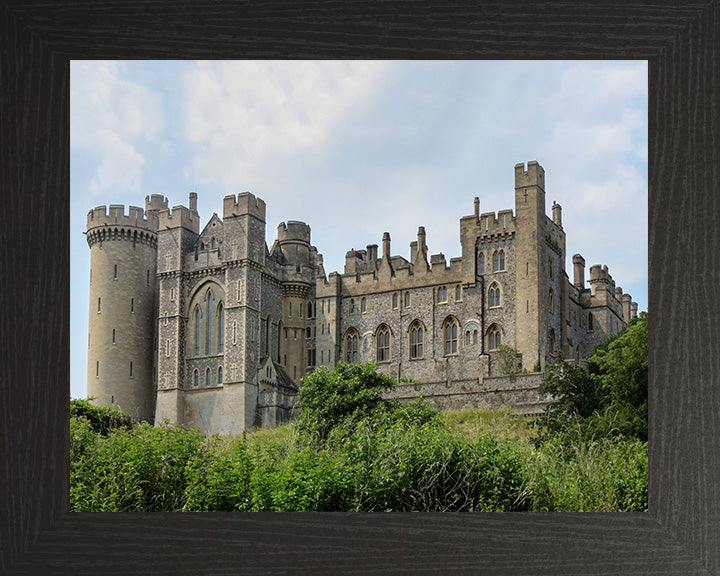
(579, 272)
(557, 214)
(530, 338)
(123, 264)
(626, 299)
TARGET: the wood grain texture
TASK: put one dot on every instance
(681, 533)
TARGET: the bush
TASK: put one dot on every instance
(102, 419)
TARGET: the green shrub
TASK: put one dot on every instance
(102, 419)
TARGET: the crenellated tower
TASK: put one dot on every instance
(121, 328)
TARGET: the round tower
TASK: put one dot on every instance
(121, 327)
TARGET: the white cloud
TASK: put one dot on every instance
(245, 118)
(111, 117)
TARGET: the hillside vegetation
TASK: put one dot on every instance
(353, 450)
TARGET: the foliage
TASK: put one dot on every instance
(508, 361)
(102, 419)
(607, 400)
(358, 452)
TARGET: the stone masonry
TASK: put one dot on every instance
(213, 328)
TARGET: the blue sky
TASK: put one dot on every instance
(358, 148)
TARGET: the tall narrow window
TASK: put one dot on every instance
(450, 336)
(352, 306)
(98, 305)
(416, 340)
(167, 348)
(130, 369)
(195, 378)
(407, 299)
(207, 377)
(494, 295)
(481, 263)
(197, 331)
(590, 321)
(220, 375)
(363, 305)
(97, 368)
(458, 293)
(383, 344)
(208, 349)
(113, 335)
(147, 278)
(115, 273)
(351, 346)
(221, 329)
(132, 304)
(290, 309)
(395, 300)
(494, 337)
(235, 332)
(309, 315)
(502, 260)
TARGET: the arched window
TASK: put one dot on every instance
(219, 374)
(383, 344)
(416, 339)
(450, 336)
(195, 378)
(407, 299)
(352, 306)
(208, 349)
(475, 334)
(499, 261)
(494, 337)
(197, 331)
(458, 293)
(207, 377)
(363, 305)
(442, 294)
(481, 263)
(494, 295)
(395, 300)
(351, 346)
(221, 328)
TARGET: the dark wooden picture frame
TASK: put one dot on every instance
(680, 534)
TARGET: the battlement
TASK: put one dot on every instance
(293, 230)
(533, 176)
(242, 204)
(491, 224)
(179, 217)
(156, 202)
(114, 215)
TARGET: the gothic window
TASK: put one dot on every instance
(416, 340)
(352, 306)
(383, 344)
(494, 337)
(442, 294)
(450, 336)
(363, 305)
(221, 328)
(208, 347)
(220, 375)
(395, 301)
(494, 295)
(407, 299)
(481, 263)
(499, 261)
(458, 293)
(207, 377)
(351, 346)
(195, 377)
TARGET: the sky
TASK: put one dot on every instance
(358, 148)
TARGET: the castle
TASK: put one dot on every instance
(214, 329)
